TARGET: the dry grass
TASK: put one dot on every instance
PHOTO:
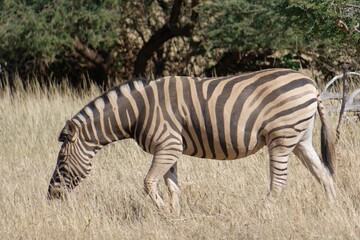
(220, 200)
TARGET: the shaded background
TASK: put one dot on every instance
(108, 41)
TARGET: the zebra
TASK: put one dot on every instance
(222, 118)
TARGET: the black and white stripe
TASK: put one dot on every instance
(219, 118)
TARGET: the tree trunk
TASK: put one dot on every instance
(170, 30)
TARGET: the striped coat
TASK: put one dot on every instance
(219, 118)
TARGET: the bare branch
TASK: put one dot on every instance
(348, 101)
(356, 28)
(93, 59)
(353, 5)
(87, 53)
(352, 104)
(325, 95)
(342, 25)
(343, 102)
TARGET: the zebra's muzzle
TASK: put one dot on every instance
(57, 193)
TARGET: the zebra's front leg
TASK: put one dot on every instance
(172, 184)
(161, 164)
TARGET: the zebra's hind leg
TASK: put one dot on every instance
(307, 154)
(279, 151)
(161, 164)
(172, 184)
(278, 177)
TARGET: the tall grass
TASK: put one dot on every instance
(219, 199)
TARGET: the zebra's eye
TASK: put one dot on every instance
(62, 157)
(76, 181)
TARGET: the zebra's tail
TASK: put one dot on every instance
(327, 139)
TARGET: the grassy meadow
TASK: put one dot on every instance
(219, 199)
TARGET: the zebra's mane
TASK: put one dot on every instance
(130, 86)
(133, 85)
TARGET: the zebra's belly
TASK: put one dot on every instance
(219, 149)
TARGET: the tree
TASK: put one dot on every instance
(328, 29)
(97, 40)
(171, 29)
(107, 41)
(59, 38)
(243, 30)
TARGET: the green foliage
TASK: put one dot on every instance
(318, 20)
(279, 24)
(44, 29)
(37, 36)
(239, 24)
(289, 61)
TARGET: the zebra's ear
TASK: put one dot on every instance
(68, 133)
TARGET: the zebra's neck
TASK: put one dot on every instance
(112, 116)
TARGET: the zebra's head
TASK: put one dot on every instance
(73, 162)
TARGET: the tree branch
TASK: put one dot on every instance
(342, 25)
(343, 103)
(167, 32)
(175, 13)
(87, 53)
(95, 60)
(356, 28)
